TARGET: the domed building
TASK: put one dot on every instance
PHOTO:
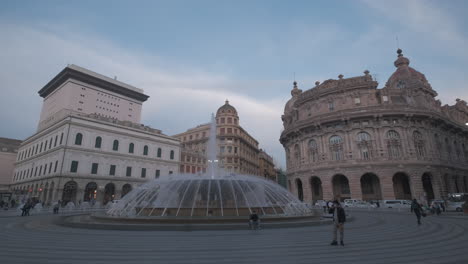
(346, 138)
(238, 151)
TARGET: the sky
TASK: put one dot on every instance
(190, 56)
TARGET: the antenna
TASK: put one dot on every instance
(397, 43)
(294, 76)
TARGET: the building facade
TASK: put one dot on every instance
(8, 150)
(346, 138)
(266, 166)
(237, 150)
(86, 154)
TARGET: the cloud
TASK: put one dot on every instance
(181, 97)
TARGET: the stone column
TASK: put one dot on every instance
(327, 188)
(355, 186)
(386, 182)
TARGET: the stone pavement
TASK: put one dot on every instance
(373, 237)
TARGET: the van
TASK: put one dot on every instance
(351, 202)
(396, 204)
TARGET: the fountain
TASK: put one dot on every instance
(216, 196)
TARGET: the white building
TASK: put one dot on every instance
(89, 143)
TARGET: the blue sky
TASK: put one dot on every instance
(189, 56)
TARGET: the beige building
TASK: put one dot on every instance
(345, 138)
(85, 149)
(266, 166)
(237, 151)
(8, 150)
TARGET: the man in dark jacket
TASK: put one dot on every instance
(339, 218)
(417, 209)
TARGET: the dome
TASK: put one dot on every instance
(226, 109)
(187, 195)
(405, 76)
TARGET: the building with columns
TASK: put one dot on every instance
(90, 144)
(345, 138)
(238, 151)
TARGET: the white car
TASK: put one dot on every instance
(396, 204)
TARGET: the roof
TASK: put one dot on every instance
(84, 75)
(9, 144)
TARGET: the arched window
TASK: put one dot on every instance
(78, 139)
(336, 147)
(419, 144)
(313, 151)
(159, 153)
(145, 150)
(364, 145)
(115, 145)
(172, 155)
(98, 142)
(393, 144)
(131, 148)
(297, 154)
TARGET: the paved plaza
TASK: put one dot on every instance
(372, 237)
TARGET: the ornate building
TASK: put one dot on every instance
(8, 150)
(347, 139)
(89, 144)
(238, 151)
(266, 166)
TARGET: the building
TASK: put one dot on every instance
(346, 138)
(266, 166)
(8, 149)
(89, 144)
(238, 151)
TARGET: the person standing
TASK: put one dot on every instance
(254, 220)
(417, 209)
(339, 218)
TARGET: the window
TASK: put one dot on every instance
(385, 98)
(222, 131)
(78, 139)
(115, 145)
(94, 168)
(159, 152)
(40, 150)
(223, 120)
(145, 150)
(357, 100)
(229, 130)
(97, 143)
(157, 173)
(35, 172)
(336, 148)
(419, 144)
(229, 120)
(40, 171)
(393, 144)
(172, 155)
(50, 167)
(131, 148)
(61, 138)
(143, 172)
(55, 142)
(45, 169)
(331, 106)
(56, 165)
(129, 172)
(297, 153)
(74, 166)
(364, 145)
(313, 151)
(112, 170)
(50, 143)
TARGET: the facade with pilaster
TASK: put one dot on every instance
(91, 152)
(346, 138)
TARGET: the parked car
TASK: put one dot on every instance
(396, 204)
(351, 202)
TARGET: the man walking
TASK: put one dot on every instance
(339, 218)
(417, 209)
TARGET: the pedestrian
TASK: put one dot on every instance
(330, 207)
(378, 204)
(56, 207)
(417, 209)
(323, 203)
(443, 206)
(254, 220)
(339, 218)
(13, 203)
